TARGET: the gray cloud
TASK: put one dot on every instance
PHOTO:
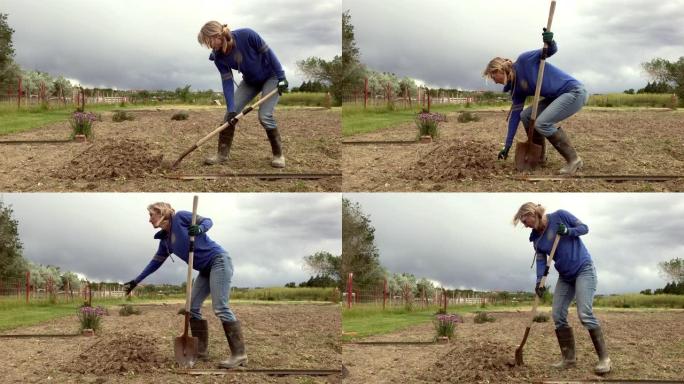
(467, 240)
(108, 237)
(153, 44)
(448, 43)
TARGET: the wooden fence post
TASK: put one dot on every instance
(349, 290)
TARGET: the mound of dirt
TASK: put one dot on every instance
(120, 353)
(115, 159)
(477, 362)
(454, 160)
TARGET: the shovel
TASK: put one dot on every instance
(213, 133)
(528, 154)
(186, 347)
(542, 283)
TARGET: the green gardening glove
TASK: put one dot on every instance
(547, 37)
(194, 230)
(282, 86)
(562, 230)
(503, 154)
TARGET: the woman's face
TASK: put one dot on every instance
(216, 42)
(499, 77)
(529, 220)
(155, 219)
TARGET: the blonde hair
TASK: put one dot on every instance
(212, 29)
(529, 209)
(163, 209)
(500, 64)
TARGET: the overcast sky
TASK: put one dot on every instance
(448, 43)
(464, 240)
(152, 44)
(107, 237)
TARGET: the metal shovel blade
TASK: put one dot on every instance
(528, 155)
(186, 350)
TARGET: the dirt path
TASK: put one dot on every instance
(642, 345)
(126, 156)
(139, 348)
(464, 156)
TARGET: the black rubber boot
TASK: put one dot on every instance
(539, 139)
(238, 356)
(566, 341)
(278, 160)
(200, 330)
(224, 144)
(603, 365)
(561, 142)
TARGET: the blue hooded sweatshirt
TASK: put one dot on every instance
(250, 56)
(571, 254)
(178, 243)
(554, 84)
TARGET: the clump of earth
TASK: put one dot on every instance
(113, 159)
(121, 354)
(456, 159)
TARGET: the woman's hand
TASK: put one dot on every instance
(194, 230)
(562, 230)
(503, 154)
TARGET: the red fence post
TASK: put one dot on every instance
(384, 293)
(428, 99)
(28, 286)
(19, 94)
(349, 290)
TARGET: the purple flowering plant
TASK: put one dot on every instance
(428, 122)
(446, 324)
(90, 317)
(82, 123)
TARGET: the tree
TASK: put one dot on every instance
(12, 263)
(342, 72)
(326, 265)
(291, 284)
(6, 48)
(184, 93)
(359, 253)
(672, 270)
(671, 73)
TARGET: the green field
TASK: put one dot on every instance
(357, 120)
(365, 320)
(18, 120)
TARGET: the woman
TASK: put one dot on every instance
(245, 51)
(577, 277)
(215, 272)
(563, 97)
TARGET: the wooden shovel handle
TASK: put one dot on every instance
(540, 74)
(191, 254)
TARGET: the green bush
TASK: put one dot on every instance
(120, 116)
(82, 124)
(541, 318)
(127, 310)
(466, 117)
(182, 115)
(483, 317)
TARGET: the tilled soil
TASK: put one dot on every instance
(642, 346)
(127, 156)
(464, 156)
(453, 160)
(121, 353)
(118, 159)
(139, 349)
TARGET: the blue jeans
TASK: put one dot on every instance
(245, 92)
(218, 285)
(551, 111)
(582, 289)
